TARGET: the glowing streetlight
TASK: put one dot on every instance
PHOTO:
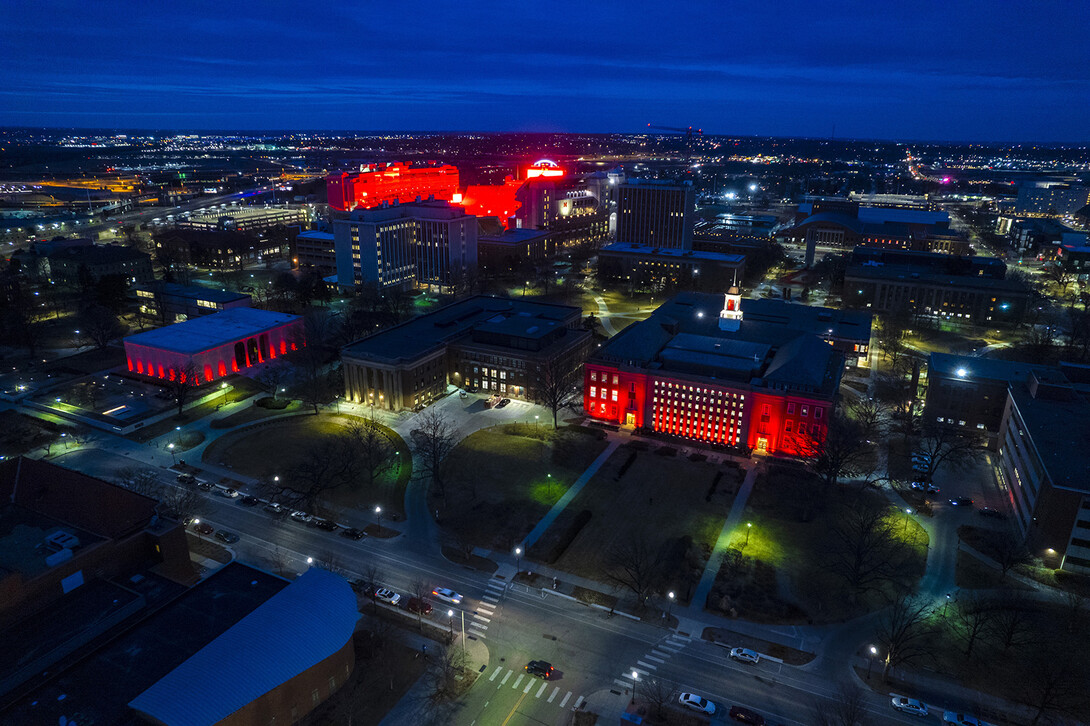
(223, 387)
(635, 678)
(670, 603)
(518, 560)
(749, 528)
(870, 661)
(172, 456)
(378, 515)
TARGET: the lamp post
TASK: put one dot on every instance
(669, 603)
(378, 515)
(196, 528)
(223, 387)
(870, 661)
(172, 456)
(908, 511)
(948, 598)
(635, 678)
(749, 528)
(518, 560)
(450, 621)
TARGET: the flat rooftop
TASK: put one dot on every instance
(192, 292)
(100, 686)
(1061, 432)
(990, 369)
(421, 335)
(22, 539)
(925, 275)
(513, 236)
(211, 331)
(628, 248)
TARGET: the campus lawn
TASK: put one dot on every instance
(665, 501)
(241, 388)
(273, 448)
(501, 481)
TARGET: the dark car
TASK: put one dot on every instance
(991, 512)
(203, 528)
(962, 501)
(419, 605)
(324, 524)
(503, 402)
(205, 486)
(353, 533)
(358, 585)
(249, 501)
(228, 537)
(540, 669)
(745, 715)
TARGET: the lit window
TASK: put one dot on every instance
(614, 394)
(804, 411)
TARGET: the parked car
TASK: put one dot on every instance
(324, 524)
(418, 605)
(745, 655)
(746, 715)
(300, 516)
(447, 595)
(909, 705)
(225, 536)
(274, 508)
(353, 533)
(203, 528)
(249, 501)
(229, 493)
(961, 719)
(990, 512)
(358, 585)
(187, 479)
(694, 702)
(503, 402)
(540, 669)
(463, 394)
(386, 595)
(205, 486)
(962, 501)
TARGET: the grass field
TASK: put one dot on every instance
(241, 387)
(272, 449)
(499, 485)
(666, 501)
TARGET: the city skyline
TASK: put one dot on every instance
(1016, 73)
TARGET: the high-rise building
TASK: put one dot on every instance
(1051, 199)
(404, 245)
(656, 213)
(388, 184)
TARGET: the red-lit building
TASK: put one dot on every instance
(215, 345)
(392, 183)
(492, 200)
(698, 368)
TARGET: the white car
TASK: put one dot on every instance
(387, 595)
(447, 595)
(745, 655)
(909, 705)
(300, 516)
(229, 493)
(961, 719)
(694, 702)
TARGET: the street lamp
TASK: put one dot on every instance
(870, 661)
(518, 560)
(749, 528)
(378, 515)
(223, 387)
(948, 598)
(196, 528)
(670, 603)
(172, 456)
(635, 678)
(908, 511)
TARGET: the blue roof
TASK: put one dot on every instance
(211, 331)
(294, 630)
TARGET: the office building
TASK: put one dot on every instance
(1037, 420)
(72, 262)
(722, 370)
(380, 184)
(513, 250)
(315, 250)
(498, 346)
(214, 346)
(1051, 199)
(405, 245)
(219, 250)
(645, 267)
(656, 213)
(174, 303)
(1073, 254)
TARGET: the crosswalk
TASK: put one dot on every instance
(530, 685)
(486, 610)
(649, 662)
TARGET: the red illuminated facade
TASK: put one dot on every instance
(695, 369)
(492, 200)
(395, 182)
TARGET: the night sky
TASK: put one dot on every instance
(984, 71)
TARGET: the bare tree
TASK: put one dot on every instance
(867, 550)
(871, 414)
(434, 438)
(101, 325)
(183, 384)
(419, 589)
(371, 577)
(1012, 624)
(374, 449)
(659, 692)
(274, 375)
(181, 503)
(446, 668)
(1052, 681)
(1007, 549)
(949, 446)
(141, 481)
(847, 707)
(972, 617)
(635, 564)
(903, 630)
(838, 450)
(330, 463)
(555, 387)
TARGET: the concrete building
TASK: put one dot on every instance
(69, 262)
(1050, 199)
(247, 219)
(496, 345)
(722, 370)
(656, 213)
(392, 183)
(315, 250)
(219, 250)
(656, 268)
(1074, 254)
(215, 345)
(513, 249)
(405, 245)
(1037, 420)
(173, 303)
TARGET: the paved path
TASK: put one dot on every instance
(574, 489)
(716, 560)
(603, 316)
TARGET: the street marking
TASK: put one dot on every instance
(542, 689)
(489, 598)
(566, 697)
(651, 657)
(509, 674)
(514, 709)
(555, 691)
(518, 680)
(480, 627)
(623, 684)
(675, 649)
(662, 655)
(487, 608)
(481, 617)
(529, 685)
(646, 665)
(641, 671)
(579, 702)
(496, 673)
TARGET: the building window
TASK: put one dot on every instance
(314, 697)
(593, 391)
(817, 412)
(594, 375)
(614, 394)
(804, 411)
(790, 409)
(802, 428)
(616, 379)
(332, 685)
(787, 427)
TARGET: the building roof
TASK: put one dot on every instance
(837, 218)
(1060, 428)
(925, 275)
(628, 248)
(297, 628)
(513, 236)
(211, 331)
(427, 333)
(947, 365)
(315, 234)
(192, 292)
(97, 254)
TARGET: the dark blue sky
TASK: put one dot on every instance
(952, 70)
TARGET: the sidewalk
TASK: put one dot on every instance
(573, 490)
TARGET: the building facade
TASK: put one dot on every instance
(494, 345)
(174, 303)
(315, 250)
(702, 368)
(513, 250)
(387, 184)
(219, 250)
(1051, 199)
(656, 268)
(248, 219)
(405, 245)
(655, 213)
